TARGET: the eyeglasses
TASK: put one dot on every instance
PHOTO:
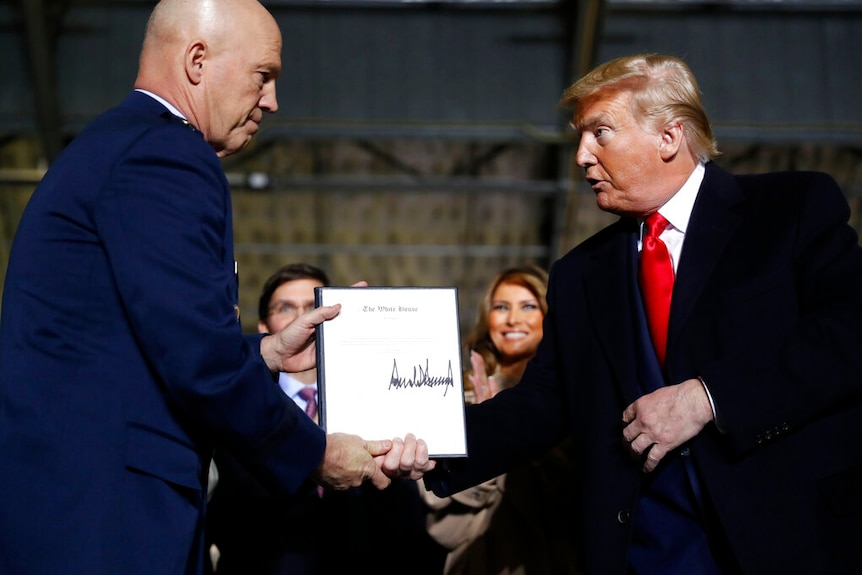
(285, 308)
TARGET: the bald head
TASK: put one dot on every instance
(180, 20)
(216, 61)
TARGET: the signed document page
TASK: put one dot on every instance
(390, 364)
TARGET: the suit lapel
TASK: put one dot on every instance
(714, 219)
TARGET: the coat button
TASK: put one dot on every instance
(685, 451)
(623, 516)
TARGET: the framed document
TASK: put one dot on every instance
(390, 364)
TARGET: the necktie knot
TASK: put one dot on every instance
(309, 394)
(655, 225)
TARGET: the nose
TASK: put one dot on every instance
(269, 101)
(512, 317)
(583, 157)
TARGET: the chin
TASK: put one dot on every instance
(604, 202)
(514, 353)
(608, 206)
(237, 147)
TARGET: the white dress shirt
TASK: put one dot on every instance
(677, 211)
(292, 386)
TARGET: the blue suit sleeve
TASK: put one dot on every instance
(166, 227)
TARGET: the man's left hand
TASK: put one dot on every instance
(661, 421)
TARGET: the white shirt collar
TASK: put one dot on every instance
(291, 386)
(678, 209)
(163, 102)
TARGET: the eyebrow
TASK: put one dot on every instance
(530, 300)
(591, 121)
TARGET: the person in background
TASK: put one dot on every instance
(118, 381)
(286, 295)
(702, 351)
(256, 531)
(508, 330)
(516, 523)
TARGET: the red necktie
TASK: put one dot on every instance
(656, 279)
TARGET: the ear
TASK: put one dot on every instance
(194, 58)
(672, 137)
(262, 327)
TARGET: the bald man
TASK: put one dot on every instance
(122, 362)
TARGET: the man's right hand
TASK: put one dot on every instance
(349, 461)
(293, 348)
(408, 458)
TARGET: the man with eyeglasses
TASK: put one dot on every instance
(286, 295)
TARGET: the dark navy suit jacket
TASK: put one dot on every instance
(767, 308)
(122, 362)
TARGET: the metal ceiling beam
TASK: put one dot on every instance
(585, 20)
(39, 48)
(589, 22)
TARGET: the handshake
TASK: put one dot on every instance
(350, 460)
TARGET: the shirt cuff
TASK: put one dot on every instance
(711, 404)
